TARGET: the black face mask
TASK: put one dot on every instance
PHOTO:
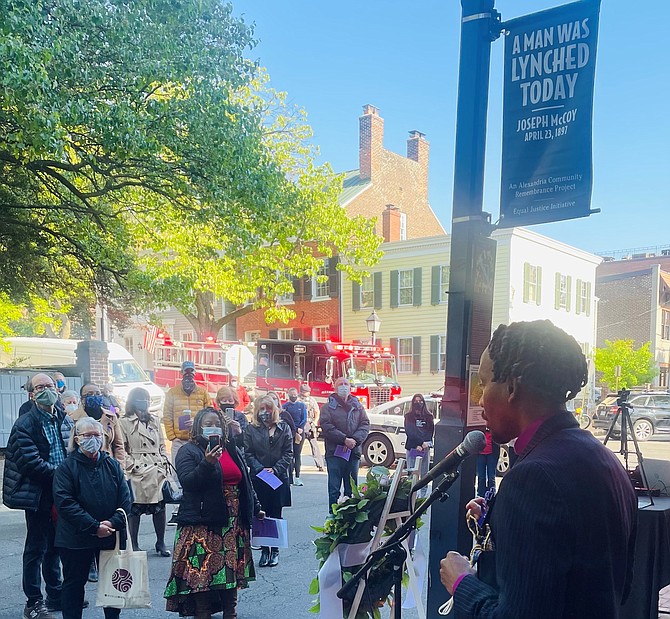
(188, 384)
(93, 406)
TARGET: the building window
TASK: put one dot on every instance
(532, 284)
(285, 334)
(321, 334)
(562, 292)
(368, 292)
(321, 289)
(405, 354)
(583, 294)
(665, 324)
(438, 353)
(186, 336)
(444, 284)
(403, 226)
(663, 377)
(252, 336)
(406, 287)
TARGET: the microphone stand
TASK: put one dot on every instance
(392, 549)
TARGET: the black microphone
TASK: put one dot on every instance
(474, 443)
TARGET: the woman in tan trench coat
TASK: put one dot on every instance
(146, 466)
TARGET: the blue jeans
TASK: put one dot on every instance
(39, 554)
(339, 470)
(486, 471)
(425, 465)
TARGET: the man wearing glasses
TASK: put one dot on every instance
(34, 451)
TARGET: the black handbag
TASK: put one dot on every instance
(172, 493)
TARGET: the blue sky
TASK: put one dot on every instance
(334, 57)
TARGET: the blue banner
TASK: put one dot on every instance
(547, 166)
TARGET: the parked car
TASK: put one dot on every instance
(386, 441)
(649, 413)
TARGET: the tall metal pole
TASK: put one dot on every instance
(479, 27)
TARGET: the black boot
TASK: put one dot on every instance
(229, 603)
(134, 529)
(265, 556)
(274, 557)
(159, 528)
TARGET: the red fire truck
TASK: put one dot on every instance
(281, 364)
(210, 360)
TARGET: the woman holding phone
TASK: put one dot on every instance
(212, 554)
(268, 445)
(227, 401)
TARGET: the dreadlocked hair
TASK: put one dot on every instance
(196, 428)
(541, 357)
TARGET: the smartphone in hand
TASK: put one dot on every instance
(214, 442)
(229, 413)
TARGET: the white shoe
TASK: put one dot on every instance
(298, 482)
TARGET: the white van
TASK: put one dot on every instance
(124, 372)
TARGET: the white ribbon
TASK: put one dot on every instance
(330, 576)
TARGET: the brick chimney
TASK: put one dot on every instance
(418, 149)
(370, 142)
(391, 223)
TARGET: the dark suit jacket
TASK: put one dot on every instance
(563, 526)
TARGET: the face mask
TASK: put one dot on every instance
(188, 384)
(264, 416)
(208, 431)
(46, 397)
(94, 401)
(71, 408)
(90, 444)
(60, 384)
(293, 398)
(343, 391)
(142, 406)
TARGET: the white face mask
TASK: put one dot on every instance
(71, 408)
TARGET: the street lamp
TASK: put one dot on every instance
(374, 325)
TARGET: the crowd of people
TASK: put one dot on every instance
(81, 470)
(84, 467)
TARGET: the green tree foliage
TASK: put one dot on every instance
(141, 151)
(637, 365)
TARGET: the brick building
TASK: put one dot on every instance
(634, 304)
(387, 186)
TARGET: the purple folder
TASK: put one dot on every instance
(343, 452)
(270, 479)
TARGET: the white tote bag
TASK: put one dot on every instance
(123, 580)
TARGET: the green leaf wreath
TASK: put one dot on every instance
(354, 521)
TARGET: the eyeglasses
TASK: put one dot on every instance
(87, 393)
(90, 434)
(43, 387)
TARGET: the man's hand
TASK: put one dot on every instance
(451, 567)
(426, 446)
(349, 443)
(105, 529)
(475, 507)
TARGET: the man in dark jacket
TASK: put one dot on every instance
(34, 450)
(298, 412)
(345, 427)
(563, 522)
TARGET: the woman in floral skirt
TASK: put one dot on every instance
(212, 554)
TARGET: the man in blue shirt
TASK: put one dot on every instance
(298, 412)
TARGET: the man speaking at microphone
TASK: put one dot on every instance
(563, 521)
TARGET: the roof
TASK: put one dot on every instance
(352, 186)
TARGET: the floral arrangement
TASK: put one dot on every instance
(353, 521)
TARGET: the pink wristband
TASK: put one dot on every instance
(458, 581)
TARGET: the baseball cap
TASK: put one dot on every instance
(187, 365)
(305, 389)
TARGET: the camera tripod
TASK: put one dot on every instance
(623, 415)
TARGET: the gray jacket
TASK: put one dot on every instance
(341, 420)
